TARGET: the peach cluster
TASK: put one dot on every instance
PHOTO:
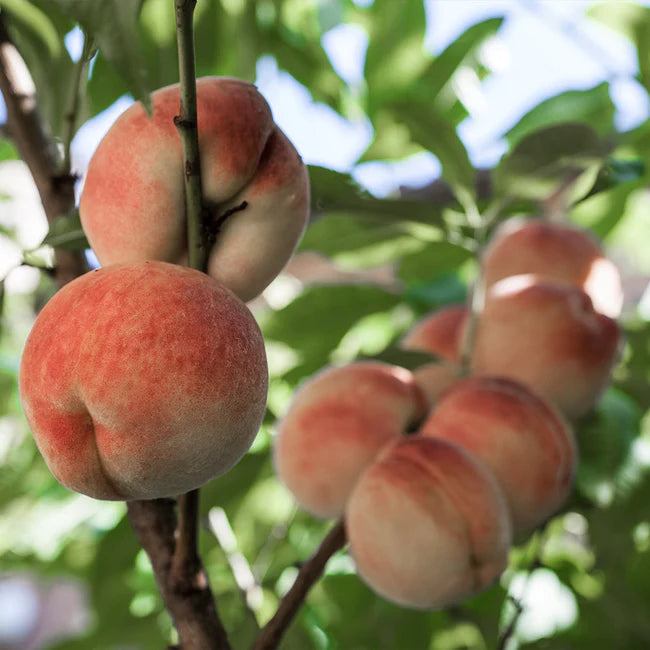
(146, 379)
(434, 473)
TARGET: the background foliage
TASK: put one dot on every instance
(592, 561)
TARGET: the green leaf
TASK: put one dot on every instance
(409, 359)
(8, 150)
(393, 63)
(549, 159)
(440, 71)
(357, 241)
(316, 321)
(333, 192)
(50, 65)
(113, 25)
(436, 134)
(37, 21)
(433, 261)
(605, 439)
(593, 107)
(66, 233)
(633, 21)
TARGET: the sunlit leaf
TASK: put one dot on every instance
(549, 159)
(593, 107)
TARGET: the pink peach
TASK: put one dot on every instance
(521, 438)
(560, 252)
(549, 337)
(336, 424)
(143, 381)
(428, 525)
(132, 205)
(439, 333)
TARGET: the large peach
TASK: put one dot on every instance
(523, 440)
(132, 205)
(336, 424)
(143, 381)
(549, 337)
(428, 525)
(440, 333)
(558, 251)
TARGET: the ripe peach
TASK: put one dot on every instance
(522, 439)
(143, 381)
(549, 337)
(440, 333)
(427, 523)
(559, 251)
(132, 205)
(337, 422)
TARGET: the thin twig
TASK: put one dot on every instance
(309, 573)
(37, 149)
(186, 123)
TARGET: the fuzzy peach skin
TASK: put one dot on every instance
(549, 337)
(143, 381)
(132, 205)
(428, 525)
(524, 441)
(559, 251)
(439, 333)
(336, 424)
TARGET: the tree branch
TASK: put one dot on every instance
(188, 601)
(36, 148)
(309, 573)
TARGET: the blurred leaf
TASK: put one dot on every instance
(66, 233)
(113, 25)
(593, 107)
(393, 64)
(605, 439)
(634, 376)
(436, 134)
(316, 321)
(37, 21)
(392, 627)
(362, 242)
(49, 63)
(409, 359)
(8, 150)
(436, 259)
(602, 210)
(333, 192)
(427, 295)
(548, 159)
(631, 20)
(441, 69)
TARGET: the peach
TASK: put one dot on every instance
(428, 525)
(439, 333)
(556, 250)
(523, 440)
(549, 337)
(143, 381)
(132, 205)
(338, 421)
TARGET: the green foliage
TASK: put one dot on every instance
(598, 548)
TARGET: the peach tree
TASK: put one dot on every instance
(395, 493)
